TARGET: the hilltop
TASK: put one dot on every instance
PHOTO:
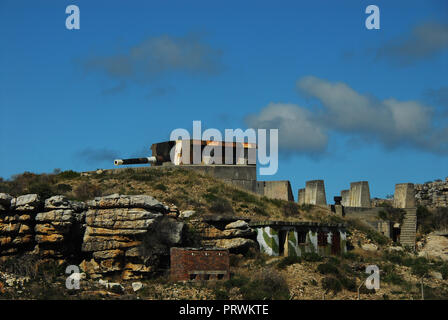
(254, 275)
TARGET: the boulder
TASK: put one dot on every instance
(240, 224)
(136, 286)
(27, 202)
(187, 214)
(5, 201)
(127, 201)
(234, 245)
(369, 247)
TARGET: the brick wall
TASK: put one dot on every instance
(199, 264)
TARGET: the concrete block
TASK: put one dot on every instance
(301, 196)
(345, 194)
(360, 194)
(275, 189)
(315, 192)
(404, 196)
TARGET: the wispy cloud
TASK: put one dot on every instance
(157, 57)
(341, 109)
(426, 40)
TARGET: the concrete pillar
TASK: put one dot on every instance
(404, 196)
(345, 194)
(301, 196)
(315, 192)
(360, 194)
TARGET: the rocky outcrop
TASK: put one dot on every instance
(17, 223)
(432, 194)
(226, 233)
(123, 233)
(59, 228)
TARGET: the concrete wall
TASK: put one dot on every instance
(295, 240)
(360, 194)
(345, 194)
(315, 192)
(404, 196)
(301, 196)
(275, 190)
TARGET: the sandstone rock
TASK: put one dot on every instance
(171, 231)
(240, 224)
(108, 254)
(137, 286)
(28, 202)
(59, 215)
(392, 249)
(436, 275)
(235, 245)
(5, 201)
(187, 214)
(126, 201)
(369, 247)
(238, 233)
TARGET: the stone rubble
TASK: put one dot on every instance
(432, 194)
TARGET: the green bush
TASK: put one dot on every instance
(267, 285)
(221, 205)
(311, 257)
(160, 187)
(327, 268)
(287, 261)
(331, 284)
(69, 174)
(86, 191)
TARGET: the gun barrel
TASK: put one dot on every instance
(119, 162)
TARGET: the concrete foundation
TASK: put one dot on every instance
(360, 194)
(301, 196)
(404, 196)
(315, 192)
(345, 194)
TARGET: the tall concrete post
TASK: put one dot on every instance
(301, 196)
(315, 192)
(404, 196)
(345, 194)
(360, 194)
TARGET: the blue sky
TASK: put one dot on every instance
(351, 104)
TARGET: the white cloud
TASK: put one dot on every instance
(298, 132)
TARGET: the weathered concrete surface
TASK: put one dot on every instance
(345, 194)
(315, 192)
(404, 196)
(275, 189)
(360, 194)
(301, 196)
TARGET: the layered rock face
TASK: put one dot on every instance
(59, 228)
(432, 194)
(118, 233)
(17, 223)
(128, 236)
(228, 233)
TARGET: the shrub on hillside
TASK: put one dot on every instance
(87, 191)
(267, 285)
(331, 284)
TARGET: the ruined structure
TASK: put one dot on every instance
(345, 194)
(275, 190)
(199, 264)
(280, 238)
(301, 196)
(360, 194)
(315, 192)
(404, 198)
